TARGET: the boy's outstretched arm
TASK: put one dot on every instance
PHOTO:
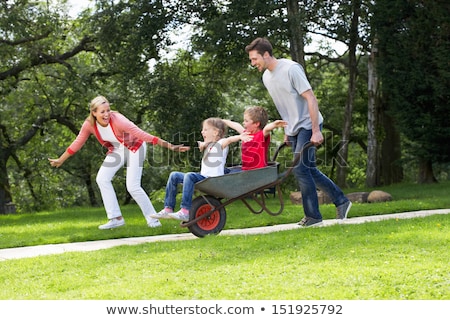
(245, 137)
(234, 125)
(276, 124)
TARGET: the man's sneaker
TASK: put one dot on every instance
(163, 214)
(309, 222)
(303, 221)
(179, 215)
(342, 210)
(113, 223)
(154, 223)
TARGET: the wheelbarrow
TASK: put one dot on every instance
(207, 215)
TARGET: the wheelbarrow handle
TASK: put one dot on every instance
(280, 147)
(298, 156)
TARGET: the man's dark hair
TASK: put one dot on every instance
(261, 45)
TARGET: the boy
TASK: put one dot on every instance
(255, 151)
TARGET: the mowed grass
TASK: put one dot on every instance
(81, 223)
(392, 259)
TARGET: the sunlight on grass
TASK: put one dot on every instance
(392, 259)
(395, 259)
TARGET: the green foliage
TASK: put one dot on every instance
(51, 96)
(226, 28)
(129, 33)
(357, 173)
(52, 66)
(413, 41)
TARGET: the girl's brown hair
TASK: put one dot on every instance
(218, 124)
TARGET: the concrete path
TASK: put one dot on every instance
(34, 251)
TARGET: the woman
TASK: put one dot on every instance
(126, 143)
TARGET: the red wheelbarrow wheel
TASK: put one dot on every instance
(213, 223)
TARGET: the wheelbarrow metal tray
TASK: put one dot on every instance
(233, 185)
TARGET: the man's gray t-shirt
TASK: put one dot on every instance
(285, 85)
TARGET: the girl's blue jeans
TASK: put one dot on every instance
(188, 180)
(310, 178)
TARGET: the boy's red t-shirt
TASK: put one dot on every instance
(254, 152)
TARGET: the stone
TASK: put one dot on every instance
(296, 198)
(358, 197)
(378, 196)
(323, 198)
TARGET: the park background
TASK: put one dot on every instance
(384, 99)
(384, 95)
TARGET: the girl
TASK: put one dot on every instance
(215, 151)
(126, 143)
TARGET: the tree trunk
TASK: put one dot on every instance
(5, 195)
(91, 192)
(373, 109)
(426, 174)
(391, 169)
(296, 32)
(353, 73)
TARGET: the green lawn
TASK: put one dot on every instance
(393, 259)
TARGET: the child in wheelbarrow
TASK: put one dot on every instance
(254, 152)
(215, 150)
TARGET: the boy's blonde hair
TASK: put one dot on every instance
(257, 114)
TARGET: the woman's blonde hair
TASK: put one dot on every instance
(93, 105)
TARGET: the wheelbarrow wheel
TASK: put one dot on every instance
(211, 224)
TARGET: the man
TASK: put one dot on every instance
(296, 103)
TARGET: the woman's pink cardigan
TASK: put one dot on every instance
(125, 131)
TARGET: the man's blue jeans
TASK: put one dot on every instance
(310, 178)
(188, 180)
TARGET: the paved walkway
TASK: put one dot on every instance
(34, 251)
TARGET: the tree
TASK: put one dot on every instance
(373, 120)
(227, 27)
(414, 41)
(32, 38)
(354, 37)
(56, 65)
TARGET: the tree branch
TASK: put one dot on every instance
(66, 122)
(24, 40)
(41, 58)
(30, 133)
